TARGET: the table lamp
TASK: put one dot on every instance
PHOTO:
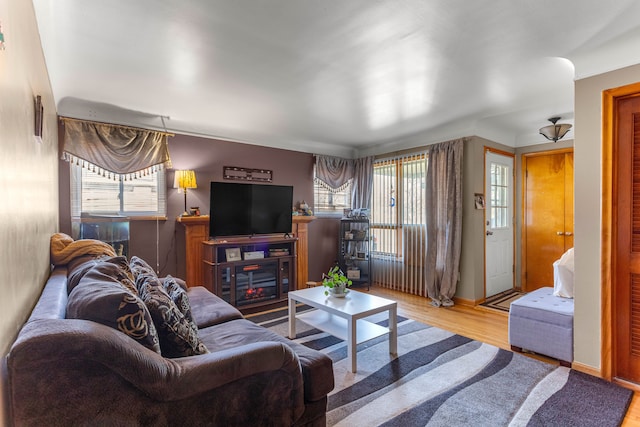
(182, 180)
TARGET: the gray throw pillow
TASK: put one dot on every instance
(116, 267)
(100, 297)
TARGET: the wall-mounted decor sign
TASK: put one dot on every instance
(38, 115)
(244, 174)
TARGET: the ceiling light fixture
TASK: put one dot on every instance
(555, 132)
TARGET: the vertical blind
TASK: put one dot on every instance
(398, 222)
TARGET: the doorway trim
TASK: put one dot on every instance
(609, 135)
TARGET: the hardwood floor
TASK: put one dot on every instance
(478, 323)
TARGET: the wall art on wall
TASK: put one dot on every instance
(245, 174)
(38, 114)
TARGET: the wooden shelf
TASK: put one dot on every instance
(196, 231)
(301, 231)
(337, 326)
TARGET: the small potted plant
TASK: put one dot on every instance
(335, 282)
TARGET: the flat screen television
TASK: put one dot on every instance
(239, 209)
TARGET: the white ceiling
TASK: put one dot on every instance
(341, 77)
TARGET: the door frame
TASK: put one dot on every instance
(513, 213)
(523, 206)
(608, 261)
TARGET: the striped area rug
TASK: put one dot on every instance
(503, 300)
(443, 379)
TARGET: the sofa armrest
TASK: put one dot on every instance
(209, 309)
(44, 345)
(189, 376)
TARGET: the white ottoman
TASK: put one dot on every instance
(543, 323)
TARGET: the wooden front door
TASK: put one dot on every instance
(626, 240)
(547, 230)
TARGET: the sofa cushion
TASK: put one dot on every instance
(100, 297)
(178, 336)
(209, 309)
(317, 367)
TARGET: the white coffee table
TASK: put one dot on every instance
(344, 317)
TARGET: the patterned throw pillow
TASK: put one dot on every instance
(139, 266)
(101, 297)
(121, 261)
(178, 336)
(179, 296)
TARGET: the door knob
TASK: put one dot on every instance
(559, 233)
(489, 233)
(568, 233)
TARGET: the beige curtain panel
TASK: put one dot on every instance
(444, 220)
(120, 150)
(362, 182)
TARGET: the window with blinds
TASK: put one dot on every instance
(327, 201)
(398, 222)
(398, 200)
(94, 194)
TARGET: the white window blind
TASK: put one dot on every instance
(95, 194)
(327, 201)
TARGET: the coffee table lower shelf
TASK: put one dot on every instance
(345, 318)
(338, 326)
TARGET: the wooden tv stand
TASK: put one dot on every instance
(197, 230)
(250, 282)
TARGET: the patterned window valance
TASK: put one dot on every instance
(114, 149)
(334, 172)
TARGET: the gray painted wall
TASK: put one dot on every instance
(162, 244)
(588, 204)
(28, 174)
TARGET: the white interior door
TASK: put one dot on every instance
(499, 256)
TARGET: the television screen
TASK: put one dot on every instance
(247, 209)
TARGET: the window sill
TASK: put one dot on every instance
(98, 218)
(333, 215)
(148, 218)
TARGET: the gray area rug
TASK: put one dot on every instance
(443, 379)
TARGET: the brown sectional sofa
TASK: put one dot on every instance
(66, 371)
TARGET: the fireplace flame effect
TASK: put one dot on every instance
(254, 293)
